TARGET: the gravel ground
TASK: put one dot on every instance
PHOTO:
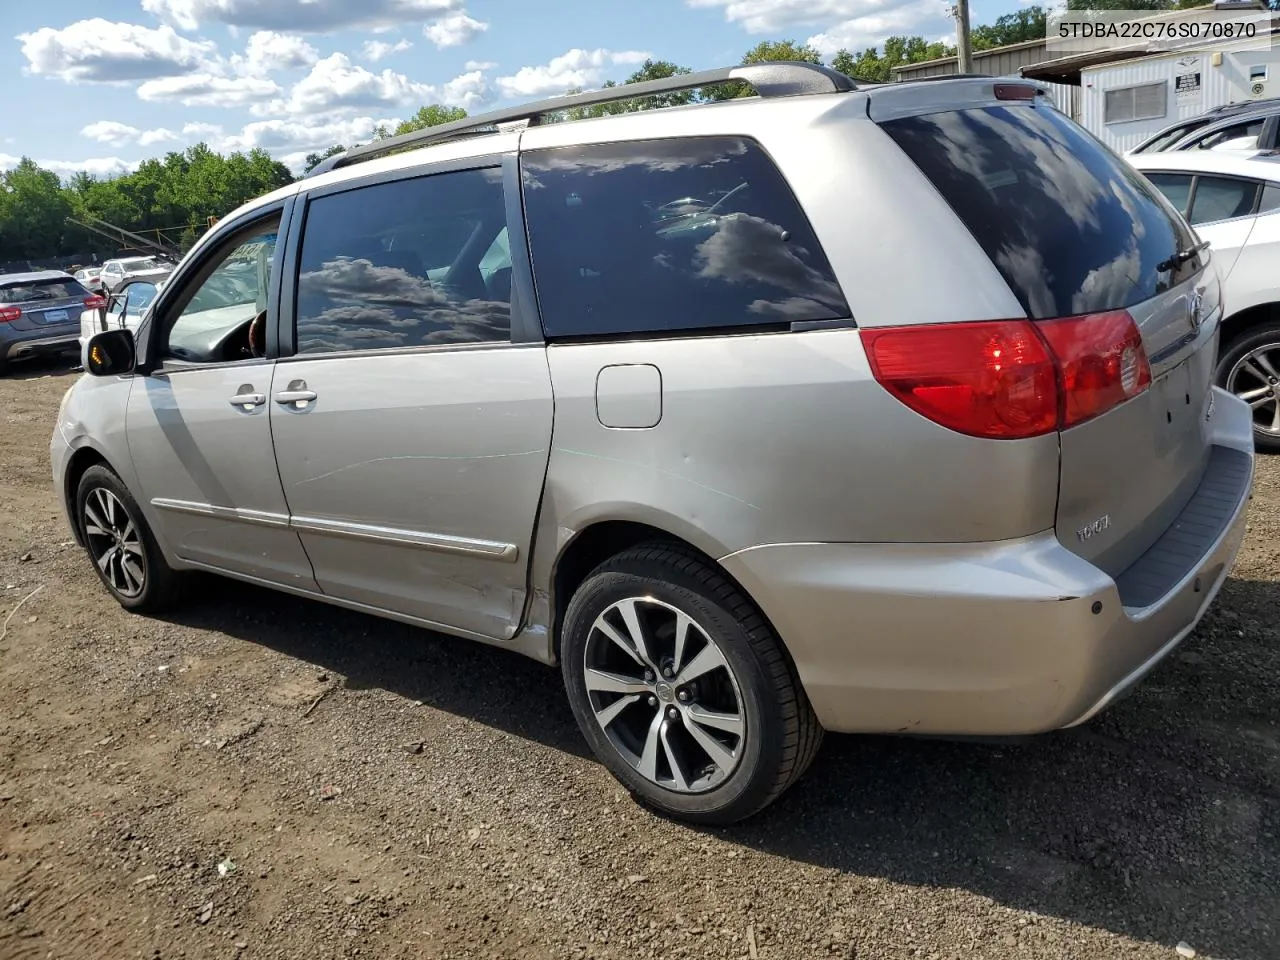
(259, 776)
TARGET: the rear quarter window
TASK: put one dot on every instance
(671, 235)
(1071, 227)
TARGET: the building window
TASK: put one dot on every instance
(1148, 101)
(1258, 72)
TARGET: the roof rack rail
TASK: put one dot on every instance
(777, 79)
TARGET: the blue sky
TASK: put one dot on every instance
(99, 85)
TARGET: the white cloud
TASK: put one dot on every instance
(158, 135)
(101, 51)
(375, 50)
(300, 16)
(304, 135)
(202, 131)
(337, 84)
(479, 65)
(96, 166)
(772, 16)
(576, 68)
(117, 134)
(454, 30)
(268, 51)
(873, 28)
(209, 90)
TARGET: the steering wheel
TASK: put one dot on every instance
(258, 335)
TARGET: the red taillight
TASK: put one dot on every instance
(1014, 91)
(94, 302)
(9, 314)
(1011, 379)
(1101, 361)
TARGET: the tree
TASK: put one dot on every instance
(313, 160)
(430, 116)
(870, 65)
(649, 70)
(1018, 27)
(33, 211)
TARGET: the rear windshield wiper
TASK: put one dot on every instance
(1182, 256)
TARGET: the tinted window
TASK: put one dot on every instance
(667, 235)
(1270, 198)
(1175, 186)
(1163, 140)
(406, 264)
(1221, 199)
(33, 291)
(1071, 227)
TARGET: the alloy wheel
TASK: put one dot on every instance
(115, 543)
(1255, 379)
(665, 695)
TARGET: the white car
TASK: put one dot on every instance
(1233, 203)
(115, 272)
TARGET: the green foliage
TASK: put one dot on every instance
(1018, 27)
(315, 159)
(170, 199)
(429, 116)
(874, 67)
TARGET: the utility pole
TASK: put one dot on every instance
(964, 51)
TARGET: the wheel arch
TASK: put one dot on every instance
(1240, 322)
(80, 461)
(598, 541)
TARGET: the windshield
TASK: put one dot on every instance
(33, 291)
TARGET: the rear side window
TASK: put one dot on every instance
(1071, 227)
(1270, 198)
(1175, 186)
(671, 235)
(34, 291)
(1221, 198)
(410, 263)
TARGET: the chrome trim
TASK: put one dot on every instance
(442, 543)
(439, 542)
(259, 518)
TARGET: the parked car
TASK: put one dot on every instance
(1233, 203)
(40, 314)
(90, 279)
(114, 272)
(932, 449)
(1252, 125)
(124, 309)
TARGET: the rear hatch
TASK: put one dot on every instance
(46, 302)
(1075, 232)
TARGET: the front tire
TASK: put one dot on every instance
(682, 689)
(1250, 369)
(120, 543)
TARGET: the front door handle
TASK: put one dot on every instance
(246, 399)
(297, 395)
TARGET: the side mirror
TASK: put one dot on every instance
(110, 353)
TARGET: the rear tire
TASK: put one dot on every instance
(709, 730)
(1249, 367)
(120, 544)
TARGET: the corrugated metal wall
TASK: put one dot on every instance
(1228, 83)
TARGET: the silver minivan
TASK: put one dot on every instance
(861, 409)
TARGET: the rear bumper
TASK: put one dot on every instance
(992, 639)
(19, 344)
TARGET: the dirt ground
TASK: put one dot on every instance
(259, 776)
